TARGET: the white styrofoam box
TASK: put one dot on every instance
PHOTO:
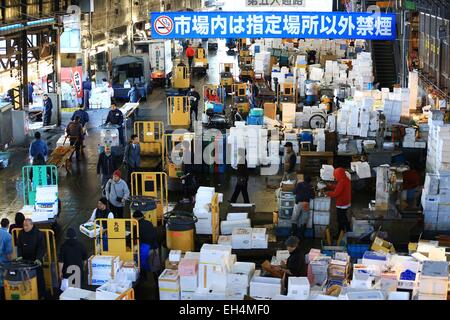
(192, 255)
(259, 234)
(237, 281)
(226, 240)
(434, 286)
(169, 279)
(129, 271)
(214, 254)
(188, 267)
(232, 216)
(431, 184)
(106, 266)
(89, 229)
(262, 287)
(188, 283)
(398, 295)
(322, 204)
(298, 287)
(169, 294)
(226, 227)
(187, 295)
(282, 297)
(111, 290)
(212, 277)
(421, 296)
(72, 293)
(241, 238)
(365, 295)
(435, 269)
(430, 202)
(322, 218)
(175, 255)
(261, 244)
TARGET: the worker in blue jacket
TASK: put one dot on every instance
(38, 147)
(133, 94)
(115, 116)
(84, 116)
(48, 106)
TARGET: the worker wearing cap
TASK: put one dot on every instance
(31, 248)
(295, 264)
(48, 107)
(290, 161)
(117, 193)
(115, 117)
(72, 253)
(6, 250)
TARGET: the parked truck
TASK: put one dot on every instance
(160, 55)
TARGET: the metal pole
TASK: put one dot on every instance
(24, 55)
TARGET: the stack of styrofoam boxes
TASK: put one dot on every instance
(262, 63)
(316, 73)
(202, 210)
(321, 218)
(443, 149)
(169, 285)
(214, 265)
(362, 72)
(374, 124)
(103, 269)
(238, 280)
(319, 139)
(263, 288)
(112, 290)
(433, 282)
(188, 271)
(402, 94)
(430, 201)
(260, 238)
(282, 74)
(364, 116)
(234, 220)
(302, 76)
(241, 238)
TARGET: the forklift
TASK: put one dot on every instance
(286, 94)
(227, 76)
(174, 157)
(246, 66)
(241, 102)
(179, 112)
(181, 79)
(201, 65)
(231, 45)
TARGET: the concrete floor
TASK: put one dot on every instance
(80, 192)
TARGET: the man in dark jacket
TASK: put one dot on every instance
(38, 147)
(87, 87)
(72, 253)
(148, 248)
(194, 99)
(290, 161)
(304, 192)
(31, 247)
(132, 156)
(84, 116)
(48, 107)
(106, 166)
(295, 265)
(242, 180)
(115, 116)
(75, 132)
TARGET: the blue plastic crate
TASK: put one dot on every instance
(356, 251)
(256, 121)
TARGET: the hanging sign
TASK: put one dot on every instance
(312, 25)
(71, 83)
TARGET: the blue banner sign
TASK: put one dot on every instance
(313, 25)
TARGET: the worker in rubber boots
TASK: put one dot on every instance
(31, 247)
(342, 192)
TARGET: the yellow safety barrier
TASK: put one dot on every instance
(50, 261)
(118, 238)
(152, 185)
(151, 139)
(176, 170)
(179, 111)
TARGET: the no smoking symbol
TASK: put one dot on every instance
(163, 25)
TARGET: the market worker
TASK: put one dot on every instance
(106, 166)
(117, 193)
(72, 253)
(38, 147)
(87, 88)
(102, 211)
(30, 92)
(212, 96)
(48, 107)
(6, 249)
(242, 179)
(148, 249)
(253, 92)
(31, 247)
(190, 54)
(115, 117)
(194, 99)
(132, 156)
(81, 112)
(411, 184)
(133, 94)
(74, 131)
(290, 161)
(342, 192)
(295, 265)
(304, 192)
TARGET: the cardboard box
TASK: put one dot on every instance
(169, 279)
(171, 265)
(432, 285)
(380, 245)
(188, 267)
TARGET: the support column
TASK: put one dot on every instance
(24, 56)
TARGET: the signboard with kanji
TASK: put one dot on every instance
(275, 3)
(313, 25)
